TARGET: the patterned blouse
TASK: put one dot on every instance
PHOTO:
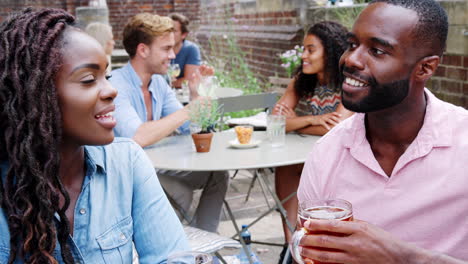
(324, 100)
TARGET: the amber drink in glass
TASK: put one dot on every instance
(336, 209)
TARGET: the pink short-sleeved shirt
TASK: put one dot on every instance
(425, 201)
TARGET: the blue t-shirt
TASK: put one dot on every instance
(188, 54)
(130, 109)
(121, 201)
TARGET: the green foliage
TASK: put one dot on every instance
(347, 15)
(204, 116)
(230, 61)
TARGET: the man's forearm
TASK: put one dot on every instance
(152, 131)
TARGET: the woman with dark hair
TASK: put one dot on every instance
(312, 101)
(69, 192)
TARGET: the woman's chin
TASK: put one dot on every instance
(308, 71)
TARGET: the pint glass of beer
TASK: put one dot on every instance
(318, 209)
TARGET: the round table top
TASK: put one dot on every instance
(178, 153)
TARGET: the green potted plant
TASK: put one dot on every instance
(204, 116)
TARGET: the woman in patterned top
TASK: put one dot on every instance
(312, 101)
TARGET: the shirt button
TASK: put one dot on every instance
(122, 236)
(82, 211)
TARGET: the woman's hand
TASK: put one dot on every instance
(355, 242)
(206, 70)
(326, 120)
(283, 109)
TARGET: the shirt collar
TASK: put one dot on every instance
(135, 79)
(94, 159)
(435, 132)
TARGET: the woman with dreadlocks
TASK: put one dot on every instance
(67, 195)
(311, 102)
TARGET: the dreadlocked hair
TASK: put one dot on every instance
(332, 36)
(30, 132)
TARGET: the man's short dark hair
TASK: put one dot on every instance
(431, 30)
(183, 20)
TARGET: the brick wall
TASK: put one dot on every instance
(261, 36)
(450, 83)
(8, 6)
(121, 10)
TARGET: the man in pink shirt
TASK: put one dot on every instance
(402, 160)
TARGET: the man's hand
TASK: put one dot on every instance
(355, 242)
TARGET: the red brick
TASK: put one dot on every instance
(168, 6)
(451, 87)
(465, 61)
(465, 88)
(452, 60)
(456, 73)
(441, 71)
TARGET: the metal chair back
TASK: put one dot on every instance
(248, 102)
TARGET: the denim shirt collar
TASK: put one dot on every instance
(136, 81)
(94, 161)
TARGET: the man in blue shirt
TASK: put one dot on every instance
(187, 53)
(147, 111)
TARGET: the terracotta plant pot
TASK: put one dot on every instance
(202, 141)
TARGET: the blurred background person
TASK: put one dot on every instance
(103, 34)
(187, 53)
(311, 102)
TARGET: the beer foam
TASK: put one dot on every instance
(327, 213)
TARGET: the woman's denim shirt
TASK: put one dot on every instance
(121, 201)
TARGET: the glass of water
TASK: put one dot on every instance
(276, 130)
(190, 257)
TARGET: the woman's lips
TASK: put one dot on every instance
(106, 120)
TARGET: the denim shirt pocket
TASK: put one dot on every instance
(116, 242)
(4, 255)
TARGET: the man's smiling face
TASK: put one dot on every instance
(378, 64)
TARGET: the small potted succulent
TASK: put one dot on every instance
(204, 116)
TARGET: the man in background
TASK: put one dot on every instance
(187, 53)
(148, 111)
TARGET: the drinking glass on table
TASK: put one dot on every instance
(276, 129)
(174, 70)
(190, 257)
(337, 209)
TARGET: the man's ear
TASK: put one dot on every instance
(184, 35)
(426, 67)
(143, 50)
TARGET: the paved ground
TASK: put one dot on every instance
(268, 230)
